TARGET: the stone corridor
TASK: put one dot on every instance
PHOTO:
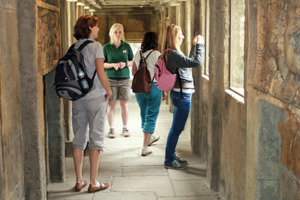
(243, 134)
(133, 177)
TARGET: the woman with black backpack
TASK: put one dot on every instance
(88, 112)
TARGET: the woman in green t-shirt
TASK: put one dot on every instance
(118, 57)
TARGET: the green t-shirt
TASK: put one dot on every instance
(115, 55)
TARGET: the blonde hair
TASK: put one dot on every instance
(112, 30)
(172, 37)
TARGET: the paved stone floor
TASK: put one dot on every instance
(133, 177)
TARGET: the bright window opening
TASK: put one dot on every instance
(206, 39)
(237, 40)
(135, 48)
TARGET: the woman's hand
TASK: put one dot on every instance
(116, 66)
(122, 65)
(198, 39)
(108, 95)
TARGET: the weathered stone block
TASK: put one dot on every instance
(10, 80)
(11, 122)
(289, 128)
(9, 4)
(267, 189)
(1, 162)
(269, 142)
(288, 187)
(10, 35)
(13, 166)
(278, 63)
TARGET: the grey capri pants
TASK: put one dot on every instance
(88, 118)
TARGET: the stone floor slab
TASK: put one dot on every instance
(191, 198)
(192, 172)
(125, 196)
(161, 185)
(191, 188)
(145, 171)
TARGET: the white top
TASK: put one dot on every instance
(151, 60)
(91, 52)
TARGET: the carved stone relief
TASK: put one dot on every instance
(279, 49)
(48, 39)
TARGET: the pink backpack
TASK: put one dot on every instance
(165, 79)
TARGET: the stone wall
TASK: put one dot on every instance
(135, 26)
(273, 108)
(233, 148)
(11, 145)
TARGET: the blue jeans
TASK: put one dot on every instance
(182, 106)
(149, 108)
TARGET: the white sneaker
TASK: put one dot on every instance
(125, 132)
(153, 139)
(111, 133)
(146, 151)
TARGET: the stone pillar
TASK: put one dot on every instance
(178, 15)
(11, 139)
(72, 18)
(188, 27)
(217, 56)
(80, 11)
(196, 121)
(71, 22)
(154, 22)
(1, 160)
(56, 139)
(32, 107)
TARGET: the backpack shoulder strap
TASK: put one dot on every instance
(180, 84)
(84, 44)
(141, 55)
(149, 54)
(80, 49)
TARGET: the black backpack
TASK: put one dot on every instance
(71, 79)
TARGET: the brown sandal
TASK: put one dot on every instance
(79, 186)
(102, 186)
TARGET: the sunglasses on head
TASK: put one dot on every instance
(91, 20)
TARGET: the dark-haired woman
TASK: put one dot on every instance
(149, 103)
(88, 113)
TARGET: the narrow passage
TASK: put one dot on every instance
(133, 177)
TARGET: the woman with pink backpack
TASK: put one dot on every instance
(181, 94)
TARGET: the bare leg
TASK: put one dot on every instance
(111, 112)
(94, 165)
(147, 137)
(78, 163)
(125, 112)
